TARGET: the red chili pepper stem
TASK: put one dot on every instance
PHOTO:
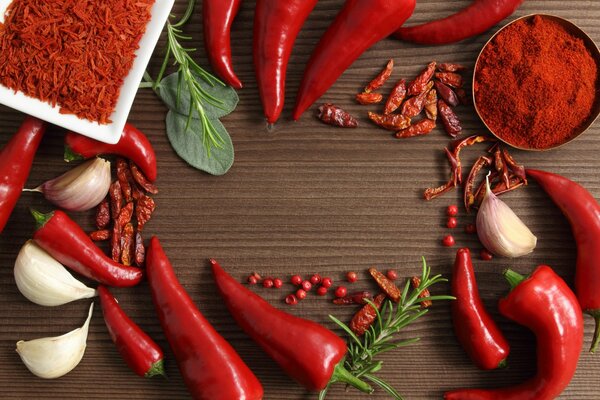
(40, 218)
(513, 278)
(596, 339)
(70, 155)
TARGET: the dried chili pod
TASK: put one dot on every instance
(116, 198)
(123, 181)
(125, 215)
(446, 93)
(388, 287)
(333, 115)
(517, 169)
(100, 235)
(366, 316)
(431, 109)
(369, 98)
(354, 298)
(415, 282)
(432, 193)
(455, 167)
(143, 210)
(127, 241)
(140, 250)
(115, 242)
(381, 78)
(450, 67)
(501, 166)
(396, 97)
(419, 84)
(103, 214)
(141, 179)
(462, 96)
(469, 195)
(450, 79)
(414, 105)
(497, 188)
(392, 122)
(449, 119)
(422, 127)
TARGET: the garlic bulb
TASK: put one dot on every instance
(81, 188)
(44, 281)
(53, 357)
(500, 230)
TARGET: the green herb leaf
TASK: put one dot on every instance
(187, 141)
(226, 96)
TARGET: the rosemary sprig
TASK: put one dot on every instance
(380, 337)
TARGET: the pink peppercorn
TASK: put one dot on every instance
(277, 283)
(315, 279)
(485, 255)
(340, 291)
(291, 300)
(391, 274)
(321, 290)
(470, 228)
(296, 280)
(351, 276)
(301, 294)
(326, 283)
(451, 223)
(448, 241)
(306, 285)
(452, 210)
(268, 283)
(252, 280)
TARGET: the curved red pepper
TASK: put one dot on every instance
(15, 163)
(545, 304)
(276, 26)
(133, 145)
(211, 368)
(65, 241)
(217, 17)
(139, 351)
(474, 327)
(359, 25)
(583, 212)
(308, 352)
(473, 20)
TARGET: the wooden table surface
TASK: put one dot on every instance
(307, 198)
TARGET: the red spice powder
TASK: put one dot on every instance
(536, 84)
(72, 53)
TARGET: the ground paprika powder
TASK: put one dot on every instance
(535, 83)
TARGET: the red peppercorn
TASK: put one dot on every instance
(452, 223)
(291, 300)
(252, 280)
(452, 210)
(296, 280)
(326, 283)
(268, 283)
(306, 285)
(315, 279)
(321, 290)
(351, 276)
(277, 283)
(448, 241)
(391, 274)
(301, 294)
(470, 228)
(341, 291)
(485, 255)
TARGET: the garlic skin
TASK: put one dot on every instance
(81, 188)
(53, 357)
(500, 230)
(44, 281)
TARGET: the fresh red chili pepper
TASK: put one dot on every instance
(474, 327)
(15, 163)
(65, 241)
(276, 26)
(359, 25)
(545, 304)
(217, 17)
(139, 351)
(583, 212)
(210, 367)
(133, 145)
(473, 20)
(286, 338)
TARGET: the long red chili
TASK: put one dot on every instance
(583, 212)
(210, 367)
(139, 351)
(359, 25)
(133, 145)
(308, 352)
(65, 241)
(15, 163)
(545, 304)
(276, 26)
(474, 327)
(217, 16)
(473, 20)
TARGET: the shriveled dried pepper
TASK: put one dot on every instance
(122, 167)
(446, 93)
(125, 215)
(450, 67)
(103, 214)
(127, 241)
(354, 298)
(116, 198)
(115, 242)
(450, 78)
(333, 115)
(396, 97)
(500, 166)
(141, 179)
(415, 282)
(468, 195)
(381, 78)
(517, 169)
(393, 122)
(431, 109)
(462, 96)
(419, 84)
(140, 250)
(414, 105)
(369, 98)
(366, 316)
(143, 210)
(388, 287)
(432, 193)
(449, 119)
(100, 235)
(422, 127)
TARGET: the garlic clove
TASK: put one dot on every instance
(81, 188)
(44, 281)
(53, 357)
(500, 230)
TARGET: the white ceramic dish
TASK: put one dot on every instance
(108, 133)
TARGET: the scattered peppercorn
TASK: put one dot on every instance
(277, 283)
(268, 283)
(448, 241)
(470, 228)
(291, 300)
(326, 283)
(296, 280)
(301, 294)
(306, 285)
(351, 276)
(452, 210)
(391, 274)
(321, 290)
(451, 223)
(315, 279)
(340, 291)
(252, 280)
(485, 255)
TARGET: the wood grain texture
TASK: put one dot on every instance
(304, 198)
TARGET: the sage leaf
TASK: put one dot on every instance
(224, 95)
(188, 144)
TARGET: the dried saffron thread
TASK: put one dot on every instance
(72, 53)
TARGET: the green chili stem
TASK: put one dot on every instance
(40, 218)
(596, 338)
(513, 278)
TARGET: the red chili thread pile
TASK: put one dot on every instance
(72, 53)
(536, 84)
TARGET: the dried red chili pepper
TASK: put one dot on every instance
(123, 181)
(423, 127)
(116, 198)
(115, 242)
(140, 250)
(381, 78)
(475, 329)
(100, 235)
(432, 193)
(388, 286)
(517, 169)
(420, 83)
(449, 119)
(468, 195)
(354, 298)
(415, 282)
(460, 144)
(396, 97)
(498, 188)
(431, 109)
(103, 214)
(414, 105)
(366, 316)
(392, 122)
(462, 96)
(454, 166)
(139, 351)
(141, 180)
(447, 94)
(450, 78)
(333, 115)
(125, 215)
(500, 166)
(143, 210)
(369, 98)
(451, 67)
(127, 241)
(66, 242)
